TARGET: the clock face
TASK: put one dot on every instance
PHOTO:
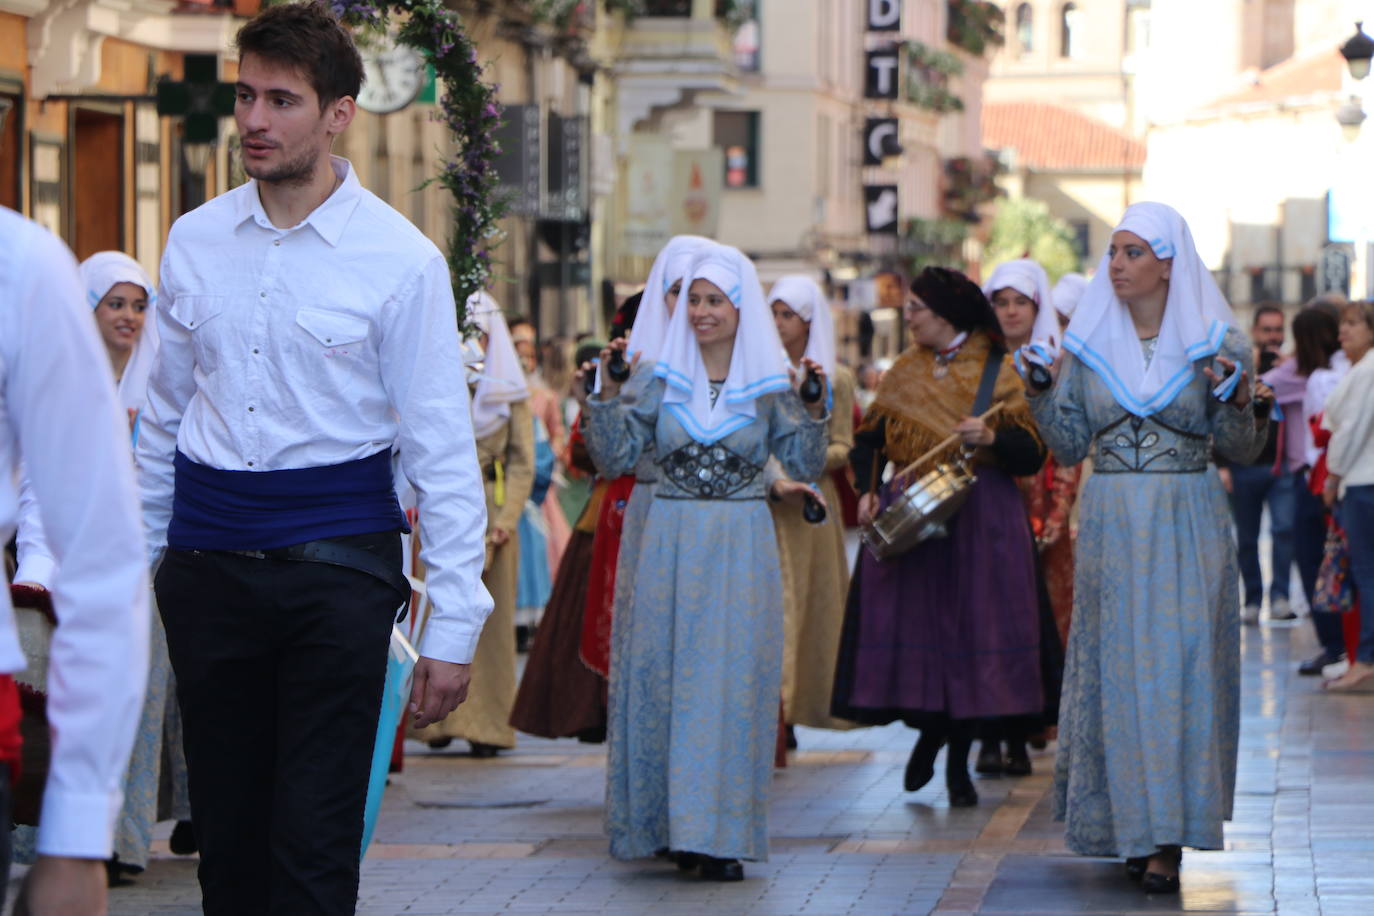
(392, 77)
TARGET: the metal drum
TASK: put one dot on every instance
(920, 512)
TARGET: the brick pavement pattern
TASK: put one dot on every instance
(522, 834)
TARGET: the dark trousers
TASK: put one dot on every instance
(1309, 543)
(1357, 517)
(1252, 486)
(279, 668)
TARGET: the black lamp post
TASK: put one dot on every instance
(1358, 51)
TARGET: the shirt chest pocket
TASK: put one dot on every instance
(334, 331)
(196, 315)
(335, 347)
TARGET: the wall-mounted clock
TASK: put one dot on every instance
(393, 76)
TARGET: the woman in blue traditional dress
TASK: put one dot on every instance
(946, 636)
(697, 653)
(646, 336)
(1151, 713)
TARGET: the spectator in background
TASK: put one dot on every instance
(1315, 344)
(1349, 414)
(1253, 486)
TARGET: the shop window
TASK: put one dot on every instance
(737, 133)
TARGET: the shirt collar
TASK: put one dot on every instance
(328, 219)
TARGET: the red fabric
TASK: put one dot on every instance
(10, 740)
(1351, 629)
(1316, 478)
(596, 619)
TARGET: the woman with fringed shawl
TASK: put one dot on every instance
(946, 635)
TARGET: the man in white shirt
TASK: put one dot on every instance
(308, 331)
(60, 417)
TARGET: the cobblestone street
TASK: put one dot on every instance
(522, 834)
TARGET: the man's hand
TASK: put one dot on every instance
(1225, 475)
(499, 537)
(59, 886)
(437, 690)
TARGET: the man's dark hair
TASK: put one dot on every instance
(1266, 308)
(307, 38)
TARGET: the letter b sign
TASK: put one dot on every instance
(884, 15)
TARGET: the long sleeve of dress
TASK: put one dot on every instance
(1235, 435)
(618, 433)
(797, 439)
(1016, 451)
(841, 420)
(518, 466)
(1060, 415)
(868, 456)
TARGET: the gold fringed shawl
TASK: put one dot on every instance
(921, 410)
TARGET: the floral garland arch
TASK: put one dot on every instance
(472, 114)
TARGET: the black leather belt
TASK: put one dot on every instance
(333, 553)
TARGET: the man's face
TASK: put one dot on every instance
(284, 134)
(1267, 331)
(888, 290)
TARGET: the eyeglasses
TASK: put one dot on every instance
(912, 307)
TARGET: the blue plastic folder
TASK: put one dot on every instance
(400, 665)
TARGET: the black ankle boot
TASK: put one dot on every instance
(957, 781)
(920, 766)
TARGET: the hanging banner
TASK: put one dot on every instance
(876, 134)
(695, 197)
(648, 223)
(880, 73)
(880, 209)
(884, 15)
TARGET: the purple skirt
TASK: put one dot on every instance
(950, 628)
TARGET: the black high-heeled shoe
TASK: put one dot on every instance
(183, 839)
(1157, 883)
(483, 751)
(920, 766)
(989, 761)
(713, 869)
(1135, 867)
(1018, 760)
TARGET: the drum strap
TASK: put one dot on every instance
(991, 367)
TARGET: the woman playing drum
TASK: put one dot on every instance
(933, 637)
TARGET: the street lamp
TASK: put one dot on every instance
(1358, 51)
(1350, 116)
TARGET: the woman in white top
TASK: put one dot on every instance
(1349, 414)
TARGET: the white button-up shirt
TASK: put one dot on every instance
(315, 345)
(59, 414)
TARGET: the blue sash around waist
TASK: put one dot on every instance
(214, 509)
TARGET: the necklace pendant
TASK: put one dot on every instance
(941, 370)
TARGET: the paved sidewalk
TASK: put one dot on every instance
(522, 834)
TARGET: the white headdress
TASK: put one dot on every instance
(1067, 292)
(757, 366)
(1028, 278)
(803, 296)
(1196, 317)
(503, 378)
(651, 321)
(99, 274)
